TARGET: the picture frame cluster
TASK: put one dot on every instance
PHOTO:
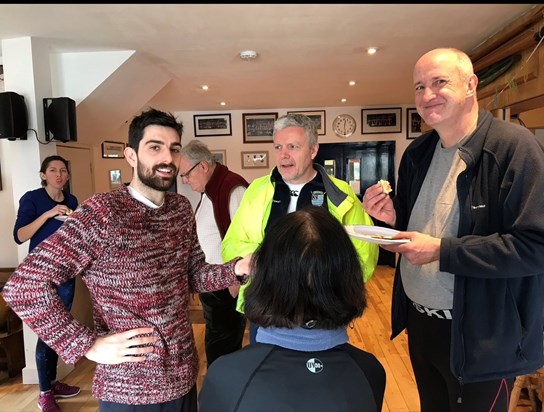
(258, 128)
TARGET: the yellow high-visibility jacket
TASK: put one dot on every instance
(246, 230)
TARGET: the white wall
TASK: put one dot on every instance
(68, 70)
(20, 159)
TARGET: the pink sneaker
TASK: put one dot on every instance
(47, 403)
(62, 390)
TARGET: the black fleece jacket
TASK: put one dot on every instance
(498, 255)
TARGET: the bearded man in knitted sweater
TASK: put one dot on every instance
(136, 248)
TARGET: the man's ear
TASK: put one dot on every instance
(314, 151)
(131, 156)
(472, 85)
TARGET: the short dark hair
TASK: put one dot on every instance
(306, 269)
(45, 165)
(147, 118)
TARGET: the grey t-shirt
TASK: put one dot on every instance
(436, 213)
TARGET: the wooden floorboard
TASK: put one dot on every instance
(370, 332)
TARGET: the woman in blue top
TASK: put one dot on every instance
(41, 212)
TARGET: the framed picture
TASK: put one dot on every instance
(318, 116)
(255, 160)
(113, 150)
(258, 127)
(413, 123)
(115, 178)
(212, 125)
(220, 156)
(387, 120)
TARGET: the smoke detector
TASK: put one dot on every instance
(248, 55)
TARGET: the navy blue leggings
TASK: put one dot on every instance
(439, 390)
(47, 358)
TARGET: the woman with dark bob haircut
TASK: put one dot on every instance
(307, 287)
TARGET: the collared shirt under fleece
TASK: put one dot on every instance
(246, 230)
(140, 264)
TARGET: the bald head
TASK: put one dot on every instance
(445, 92)
(454, 58)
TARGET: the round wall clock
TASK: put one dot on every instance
(344, 125)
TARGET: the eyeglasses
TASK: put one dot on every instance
(182, 175)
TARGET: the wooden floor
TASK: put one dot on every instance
(370, 332)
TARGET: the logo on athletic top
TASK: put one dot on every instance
(318, 197)
(294, 193)
(314, 365)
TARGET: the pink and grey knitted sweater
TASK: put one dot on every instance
(140, 265)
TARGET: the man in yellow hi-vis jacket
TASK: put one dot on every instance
(295, 182)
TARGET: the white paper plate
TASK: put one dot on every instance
(370, 234)
(62, 218)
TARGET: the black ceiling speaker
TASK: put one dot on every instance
(13, 116)
(60, 119)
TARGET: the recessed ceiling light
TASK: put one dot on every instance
(222, 103)
(344, 100)
(372, 50)
(204, 87)
(248, 55)
(352, 83)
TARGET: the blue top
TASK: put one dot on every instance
(304, 340)
(33, 204)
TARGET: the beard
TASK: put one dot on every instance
(148, 177)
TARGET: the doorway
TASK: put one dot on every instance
(361, 164)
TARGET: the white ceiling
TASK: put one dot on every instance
(307, 52)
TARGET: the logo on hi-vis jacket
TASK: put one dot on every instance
(314, 365)
(318, 197)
